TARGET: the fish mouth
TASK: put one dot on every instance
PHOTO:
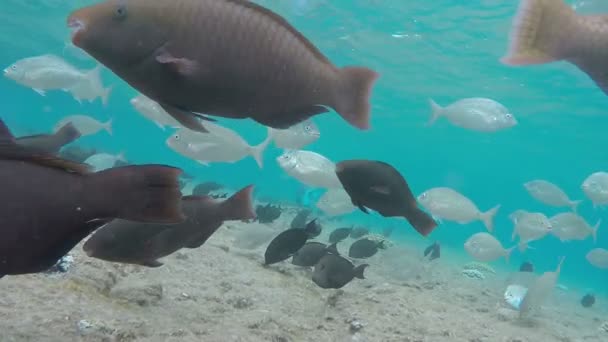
(77, 27)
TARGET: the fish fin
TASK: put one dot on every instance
(199, 147)
(183, 66)
(240, 205)
(523, 246)
(533, 37)
(514, 234)
(381, 189)
(435, 112)
(508, 253)
(358, 271)
(594, 230)
(574, 205)
(105, 95)
(187, 119)
(488, 218)
(421, 221)
(148, 193)
(197, 241)
(108, 126)
(39, 91)
(558, 270)
(352, 98)
(333, 248)
(362, 208)
(258, 151)
(292, 117)
(152, 263)
(159, 125)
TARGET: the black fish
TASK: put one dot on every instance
(203, 189)
(433, 251)
(365, 248)
(334, 271)
(588, 300)
(287, 243)
(299, 220)
(311, 253)
(50, 204)
(339, 234)
(526, 267)
(50, 143)
(379, 186)
(313, 228)
(359, 232)
(268, 213)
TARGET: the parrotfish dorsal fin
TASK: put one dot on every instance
(5, 133)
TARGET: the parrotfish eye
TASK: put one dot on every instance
(121, 11)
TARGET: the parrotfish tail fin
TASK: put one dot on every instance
(574, 205)
(508, 253)
(435, 112)
(240, 205)
(352, 98)
(108, 126)
(358, 271)
(258, 151)
(594, 230)
(148, 193)
(333, 248)
(422, 222)
(488, 218)
(105, 95)
(537, 35)
(68, 133)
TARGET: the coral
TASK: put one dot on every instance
(473, 274)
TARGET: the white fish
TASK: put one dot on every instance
(540, 290)
(531, 227)
(514, 295)
(485, 247)
(335, 202)
(598, 257)
(297, 136)
(446, 203)
(477, 114)
(85, 124)
(517, 215)
(91, 88)
(595, 188)
(310, 168)
(220, 144)
(46, 72)
(103, 161)
(151, 110)
(550, 194)
(570, 226)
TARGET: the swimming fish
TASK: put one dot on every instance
(540, 290)
(144, 243)
(335, 202)
(477, 114)
(588, 300)
(485, 248)
(85, 124)
(526, 266)
(310, 254)
(550, 194)
(194, 58)
(570, 226)
(297, 136)
(531, 227)
(598, 257)
(153, 112)
(514, 295)
(90, 88)
(446, 203)
(544, 31)
(310, 168)
(595, 187)
(433, 251)
(334, 272)
(268, 213)
(288, 242)
(365, 248)
(50, 204)
(104, 161)
(340, 234)
(359, 232)
(50, 143)
(380, 187)
(203, 189)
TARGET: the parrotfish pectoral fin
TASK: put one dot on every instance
(188, 119)
(183, 66)
(381, 189)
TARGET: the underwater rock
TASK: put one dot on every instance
(354, 325)
(478, 266)
(62, 265)
(473, 274)
(142, 294)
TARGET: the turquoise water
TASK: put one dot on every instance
(445, 50)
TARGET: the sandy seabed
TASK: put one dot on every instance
(222, 293)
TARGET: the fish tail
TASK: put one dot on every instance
(488, 218)
(537, 34)
(108, 126)
(105, 95)
(574, 205)
(422, 222)
(68, 133)
(435, 112)
(352, 99)
(258, 151)
(239, 206)
(594, 230)
(358, 271)
(145, 193)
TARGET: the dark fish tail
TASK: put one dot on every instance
(145, 193)
(239, 206)
(353, 94)
(421, 221)
(358, 271)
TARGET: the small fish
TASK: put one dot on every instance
(184, 63)
(595, 188)
(90, 88)
(334, 272)
(300, 219)
(531, 227)
(51, 204)
(144, 243)
(448, 204)
(546, 31)
(526, 266)
(380, 187)
(50, 143)
(570, 226)
(340, 234)
(86, 125)
(514, 295)
(297, 136)
(203, 189)
(153, 112)
(588, 300)
(540, 290)
(335, 202)
(310, 168)
(550, 194)
(76, 154)
(104, 161)
(477, 114)
(310, 254)
(359, 232)
(485, 248)
(433, 251)
(598, 257)
(268, 213)
(287, 243)
(365, 248)
(220, 144)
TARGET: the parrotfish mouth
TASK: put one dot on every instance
(76, 26)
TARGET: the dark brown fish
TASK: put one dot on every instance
(144, 243)
(51, 143)
(379, 186)
(230, 58)
(334, 272)
(50, 204)
(545, 31)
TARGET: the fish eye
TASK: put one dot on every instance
(13, 67)
(176, 137)
(121, 11)
(307, 128)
